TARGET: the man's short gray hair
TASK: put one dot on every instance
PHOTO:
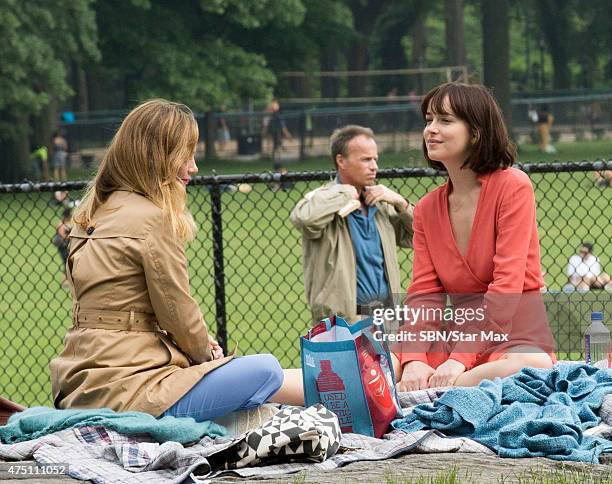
(341, 137)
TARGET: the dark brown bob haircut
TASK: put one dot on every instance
(341, 137)
(491, 148)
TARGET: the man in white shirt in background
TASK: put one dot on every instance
(584, 271)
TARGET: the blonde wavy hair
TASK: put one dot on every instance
(154, 140)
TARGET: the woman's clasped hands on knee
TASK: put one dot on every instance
(215, 348)
(417, 375)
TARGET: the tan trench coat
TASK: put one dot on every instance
(138, 340)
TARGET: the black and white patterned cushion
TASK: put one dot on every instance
(293, 434)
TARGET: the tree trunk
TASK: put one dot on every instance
(105, 91)
(49, 122)
(365, 15)
(496, 52)
(210, 135)
(393, 56)
(554, 21)
(330, 86)
(561, 76)
(94, 90)
(455, 38)
(300, 87)
(358, 61)
(44, 124)
(418, 51)
(15, 149)
(80, 88)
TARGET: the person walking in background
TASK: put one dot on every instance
(543, 124)
(277, 131)
(138, 339)
(61, 240)
(60, 155)
(39, 157)
(350, 230)
(584, 271)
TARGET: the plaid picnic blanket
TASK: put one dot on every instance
(105, 456)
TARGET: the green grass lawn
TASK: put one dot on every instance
(266, 308)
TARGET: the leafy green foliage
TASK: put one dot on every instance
(203, 78)
(211, 54)
(197, 54)
(257, 14)
(36, 39)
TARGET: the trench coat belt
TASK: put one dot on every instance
(117, 320)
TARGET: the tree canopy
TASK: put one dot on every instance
(38, 40)
(91, 54)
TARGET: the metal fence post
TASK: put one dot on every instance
(210, 135)
(217, 230)
(302, 135)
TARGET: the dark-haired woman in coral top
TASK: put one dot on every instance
(475, 240)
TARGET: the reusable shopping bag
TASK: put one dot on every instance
(347, 368)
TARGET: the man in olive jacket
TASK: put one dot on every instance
(350, 228)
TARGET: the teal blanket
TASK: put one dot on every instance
(38, 421)
(534, 413)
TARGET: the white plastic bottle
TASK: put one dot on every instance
(597, 342)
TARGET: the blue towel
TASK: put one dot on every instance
(534, 413)
(38, 421)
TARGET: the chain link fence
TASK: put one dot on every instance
(246, 268)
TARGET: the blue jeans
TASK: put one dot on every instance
(244, 382)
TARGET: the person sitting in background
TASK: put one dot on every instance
(603, 178)
(60, 198)
(138, 339)
(584, 270)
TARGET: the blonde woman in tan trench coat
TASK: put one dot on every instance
(138, 340)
